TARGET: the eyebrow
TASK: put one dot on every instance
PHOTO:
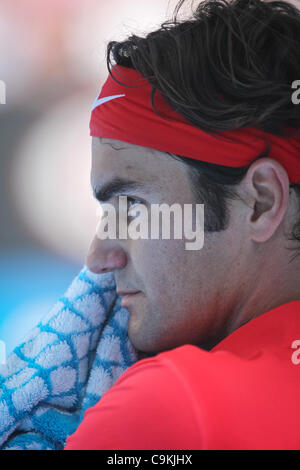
(115, 187)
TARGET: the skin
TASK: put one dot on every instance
(201, 296)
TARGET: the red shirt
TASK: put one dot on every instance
(243, 394)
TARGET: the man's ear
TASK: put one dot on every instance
(267, 185)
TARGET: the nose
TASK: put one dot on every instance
(103, 256)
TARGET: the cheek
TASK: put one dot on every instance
(163, 267)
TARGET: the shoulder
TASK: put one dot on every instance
(148, 407)
(188, 398)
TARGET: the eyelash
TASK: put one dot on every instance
(130, 199)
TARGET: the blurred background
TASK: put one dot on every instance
(52, 66)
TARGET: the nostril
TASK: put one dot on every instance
(105, 261)
(97, 268)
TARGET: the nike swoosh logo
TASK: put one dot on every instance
(104, 100)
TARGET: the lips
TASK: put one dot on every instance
(127, 292)
(128, 296)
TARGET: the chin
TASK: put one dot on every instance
(142, 344)
(148, 345)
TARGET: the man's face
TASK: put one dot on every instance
(181, 292)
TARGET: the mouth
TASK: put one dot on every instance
(128, 296)
(127, 292)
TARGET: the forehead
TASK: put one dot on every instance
(114, 158)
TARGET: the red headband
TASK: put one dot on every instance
(126, 114)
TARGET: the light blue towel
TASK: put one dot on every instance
(65, 365)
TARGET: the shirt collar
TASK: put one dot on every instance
(273, 331)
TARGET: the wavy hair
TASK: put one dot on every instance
(248, 52)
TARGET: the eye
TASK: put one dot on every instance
(131, 202)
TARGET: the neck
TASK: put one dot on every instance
(274, 284)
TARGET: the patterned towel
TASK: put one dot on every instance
(65, 365)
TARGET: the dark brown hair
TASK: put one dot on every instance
(247, 51)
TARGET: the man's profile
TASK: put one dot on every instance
(200, 111)
(200, 297)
